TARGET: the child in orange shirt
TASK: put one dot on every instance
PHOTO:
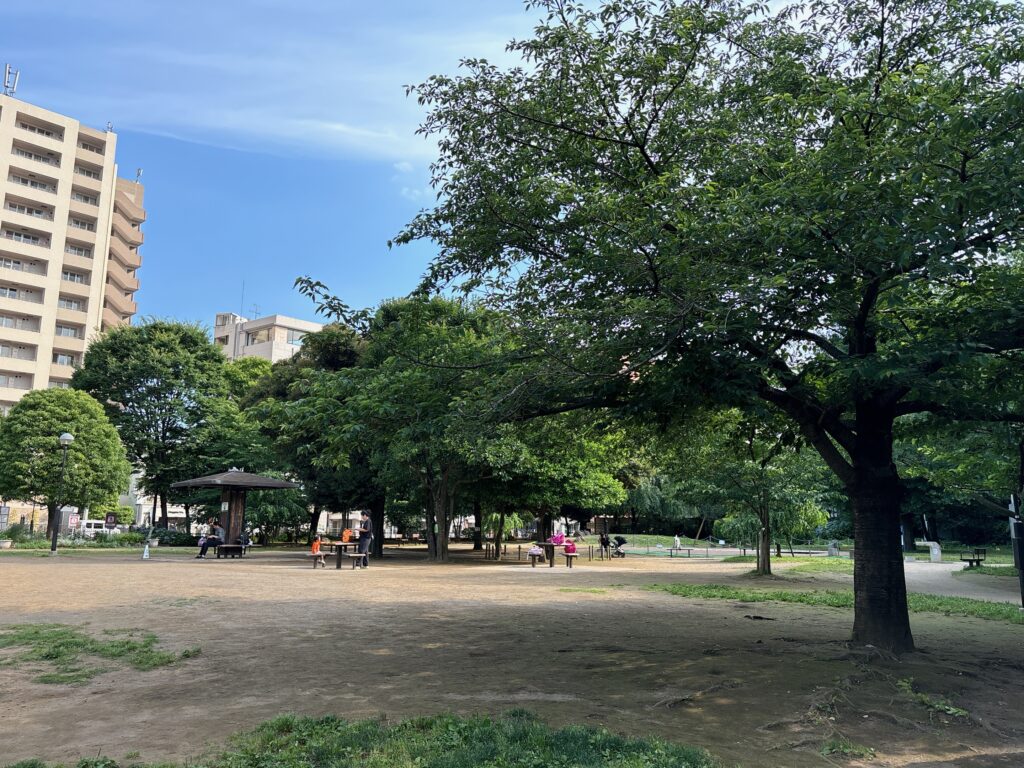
(316, 545)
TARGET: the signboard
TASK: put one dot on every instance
(5, 515)
(111, 520)
(73, 521)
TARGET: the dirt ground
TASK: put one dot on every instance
(756, 684)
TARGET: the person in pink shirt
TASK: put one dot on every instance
(570, 547)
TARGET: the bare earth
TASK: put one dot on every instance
(756, 684)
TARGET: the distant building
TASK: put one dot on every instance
(69, 245)
(273, 338)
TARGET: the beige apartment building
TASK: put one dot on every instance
(69, 245)
(274, 337)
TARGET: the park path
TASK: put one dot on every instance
(946, 579)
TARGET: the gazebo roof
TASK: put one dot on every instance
(235, 478)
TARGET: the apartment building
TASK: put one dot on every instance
(69, 245)
(274, 337)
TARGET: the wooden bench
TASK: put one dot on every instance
(230, 550)
(673, 550)
(357, 559)
(534, 558)
(319, 558)
(569, 557)
(974, 558)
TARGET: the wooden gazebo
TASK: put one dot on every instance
(233, 486)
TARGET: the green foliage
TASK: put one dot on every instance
(840, 745)
(951, 606)
(31, 456)
(994, 570)
(157, 381)
(814, 208)
(825, 565)
(243, 374)
(17, 532)
(62, 647)
(516, 739)
(934, 703)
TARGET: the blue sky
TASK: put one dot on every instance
(275, 136)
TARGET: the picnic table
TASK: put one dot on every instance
(340, 549)
(974, 557)
(549, 553)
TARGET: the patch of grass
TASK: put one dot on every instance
(62, 648)
(951, 606)
(516, 739)
(588, 590)
(845, 747)
(993, 570)
(824, 565)
(740, 559)
(934, 703)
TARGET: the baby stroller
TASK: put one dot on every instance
(618, 546)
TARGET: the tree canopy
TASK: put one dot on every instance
(31, 456)
(690, 202)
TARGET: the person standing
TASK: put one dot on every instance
(677, 543)
(365, 537)
(606, 545)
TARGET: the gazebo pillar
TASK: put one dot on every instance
(232, 513)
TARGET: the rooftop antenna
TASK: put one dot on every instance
(138, 175)
(255, 309)
(110, 126)
(10, 80)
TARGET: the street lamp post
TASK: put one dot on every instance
(66, 439)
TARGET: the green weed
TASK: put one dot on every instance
(589, 590)
(951, 606)
(934, 703)
(516, 739)
(62, 647)
(845, 747)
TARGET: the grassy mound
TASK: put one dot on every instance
(514, 740)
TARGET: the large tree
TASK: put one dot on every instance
(157, 382)
(702, 201)
(31, 457)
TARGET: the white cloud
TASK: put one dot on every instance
(309, 76)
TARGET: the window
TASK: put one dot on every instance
(222, 340)
(75, 305)
(59, 384)
(24, 237)
(90, 147)
(63, 358)
(19, 323)
(295, 337)
(28, 153)
(32, 183)
(68, 331)
(78, 250)
(14, 380)
(89, 173)
(17, 351)
(28, 210)
(7, 292)
(83, 224)
(73, 277)
(257, 337)
(15, 264)
(81, 197)
(40, 130)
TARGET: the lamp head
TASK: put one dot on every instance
(66, 439)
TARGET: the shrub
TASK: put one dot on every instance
(16, 532)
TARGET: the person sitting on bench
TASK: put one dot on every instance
(215, 538)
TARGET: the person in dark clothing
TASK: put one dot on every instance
(606, 545)
(215, 538)
(365, 537)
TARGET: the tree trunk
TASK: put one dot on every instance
(437, 520)
(377, 505)
(499, 534)
(880, 590)
(764, 551)
(314, 522)
(52, 519)
(164, 521)
(188, 518)
(478, 525)
(778, 549)
(907, 530)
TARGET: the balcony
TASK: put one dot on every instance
(126, 257)
(78, 263)
(82, 210)
(27, 213)
(124, 230)
(16, 296)
(116, 300)
(73, 316)
(14, 381)
(89, 184)
(126, 206)
(33, 181)
(111, 319)
(120, 277)
(35, 158)
(68, 344)
(58, 371)
(77, 290)
(88, 155)
(31, 237)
